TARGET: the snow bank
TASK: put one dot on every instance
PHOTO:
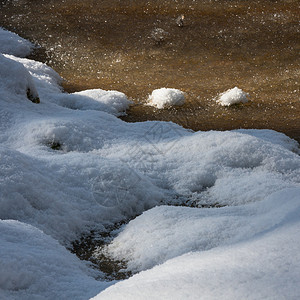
(34, 266)
(166, 232)
(112, 102)
(166, 97)
(232, 96)
(15, 81)
(49, 83)
(265, 266)
(11, 43)
(69, 166)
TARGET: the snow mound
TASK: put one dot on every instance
(49, 82)
(35, 266)
(16, 81)
(166, 232)
(11, 43)
(232, 96)
(112, 102)
(166, 97)
(266, 266)
(46, 80)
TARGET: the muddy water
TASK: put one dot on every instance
(114, 44)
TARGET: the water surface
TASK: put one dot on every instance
(135, 46)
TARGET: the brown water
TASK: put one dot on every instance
(254, 45)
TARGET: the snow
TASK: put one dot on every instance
(166, 97)
(265, 266)
(35, 266)
(15, 80)
(11, 43)
(69, 166)
(232, 96)
(166, 232)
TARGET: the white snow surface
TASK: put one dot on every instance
(232, 96)
(68, 165)
(265, 265)
(166, 97)
(35, 266)
(11, 43)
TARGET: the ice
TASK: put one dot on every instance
(69, 166)
(166, 97)
(232, 96)
(11, 43)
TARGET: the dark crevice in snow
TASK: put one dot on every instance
(32, 97)
(55, 145)
(89, 248)
(195, 200)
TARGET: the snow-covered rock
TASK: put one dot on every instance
(166, 97)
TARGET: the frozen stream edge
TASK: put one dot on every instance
(103, 171)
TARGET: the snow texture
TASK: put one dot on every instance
(166, 97)
(232, 96)
(69, 166)
(35, 266)
(11, 43)
(264, 266)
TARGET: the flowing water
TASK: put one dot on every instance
(135, 46)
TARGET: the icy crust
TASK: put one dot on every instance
(264, 266)
(11, 43)
(35, 266)
(166, 97)
(232, 96)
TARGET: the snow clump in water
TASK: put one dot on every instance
(166, 97)
(232, 96)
